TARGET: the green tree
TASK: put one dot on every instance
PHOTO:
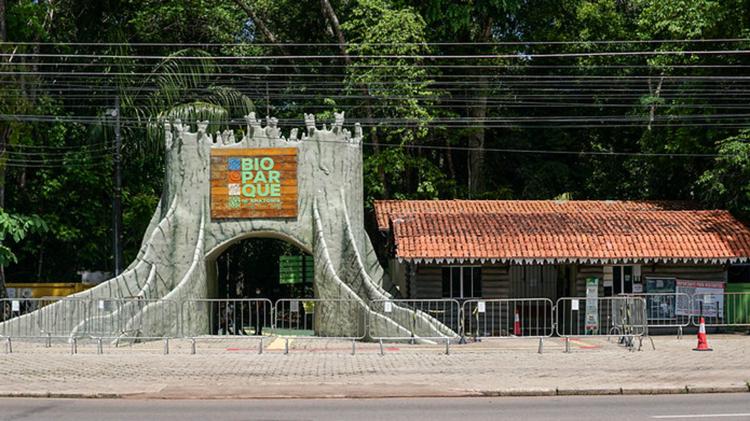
(15, 228)
(727, 185)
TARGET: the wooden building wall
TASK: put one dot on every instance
(506, 281)
(498, 281)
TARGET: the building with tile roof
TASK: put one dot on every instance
(499, 249)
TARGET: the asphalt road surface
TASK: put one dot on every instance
(664, 407)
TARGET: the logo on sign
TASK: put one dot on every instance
(253, 180)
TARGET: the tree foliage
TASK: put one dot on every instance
(405, 104)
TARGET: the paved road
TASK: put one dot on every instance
(661, 407)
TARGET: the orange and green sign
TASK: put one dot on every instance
(254, 183)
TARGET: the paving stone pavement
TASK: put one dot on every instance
(233, 368)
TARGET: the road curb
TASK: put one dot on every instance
(716, 389)
(589, 392)
(61, 395)
(655, 391)
(451, 394)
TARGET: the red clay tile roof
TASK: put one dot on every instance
(554, 232)
(384, 208)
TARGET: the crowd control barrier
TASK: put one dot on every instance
(426, 320)
(19, 318)
(622, 317)
(728, 309)
(220, 318)
(131, 320)
(667, 310)
(315, 318)
(509, 318)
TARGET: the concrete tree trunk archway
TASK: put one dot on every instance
(182, 236)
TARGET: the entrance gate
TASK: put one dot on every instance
(306, 190)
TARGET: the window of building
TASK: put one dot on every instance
(462, 281)
(623, 278)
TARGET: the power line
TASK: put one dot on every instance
(316, 44)
(521, 56)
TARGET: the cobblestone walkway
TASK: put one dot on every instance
(233, 368)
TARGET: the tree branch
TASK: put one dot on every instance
(260, 24)
(333, 20)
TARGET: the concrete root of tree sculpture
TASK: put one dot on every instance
(177, 258)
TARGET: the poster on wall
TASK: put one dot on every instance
(709, 293)
(660, 307)
(253, 183)
(592, 305)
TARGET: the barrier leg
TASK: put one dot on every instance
(99, 348)
(9, 346)
(567, 345)
(260, 346)
(354, 346)
(74, 346)
(286, 346)
(192, 346)
(49, 341)
(541, 345)
(166, 346)
(447, 346)
(382, 351)
(679, 332)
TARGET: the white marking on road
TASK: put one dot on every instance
(747, 414)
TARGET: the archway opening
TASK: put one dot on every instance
(267, 268)
(247, 275)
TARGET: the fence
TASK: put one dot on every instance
(130, 320)
(314, 318)
(730, 309)
(425, 320)
(667, 310)
(22, 320)
(509, 318)
(239, 318)
(623, 317)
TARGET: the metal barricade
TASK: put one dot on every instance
(318, 318)
(509, 318)
(222, 318)
(416, 320)
(19, 317)
(666, 310)
(118, 321)
(728, 309)
(623, 317)
(149, 319)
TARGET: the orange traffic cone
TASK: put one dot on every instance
(516, 325)
(702, 340)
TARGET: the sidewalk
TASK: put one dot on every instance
(325, 369)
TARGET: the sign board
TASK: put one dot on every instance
(388, 307)
(574, 306)
(252, 183)
(15, 305)
(592, 304)
(296, 269)
(481, 307)
(662, 307)
(710, 293)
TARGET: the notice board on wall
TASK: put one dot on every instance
(253, 183)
